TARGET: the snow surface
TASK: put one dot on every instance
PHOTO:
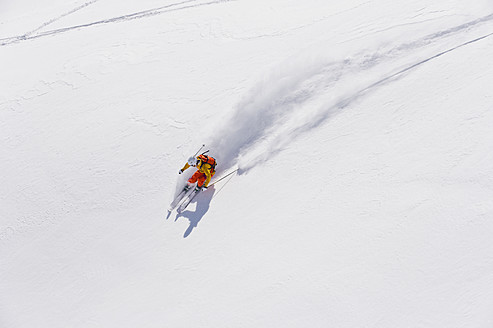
(361, 130)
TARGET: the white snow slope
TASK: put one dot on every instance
(363, 135)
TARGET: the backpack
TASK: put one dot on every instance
(204, 159)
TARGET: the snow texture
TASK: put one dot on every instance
(362, 136)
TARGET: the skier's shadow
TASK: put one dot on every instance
(203, 201)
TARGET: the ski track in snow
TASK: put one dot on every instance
(51, 21)
(188, 4)
(277, 110)
(395, 233)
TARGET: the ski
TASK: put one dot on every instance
(179, 198)
(187, 201)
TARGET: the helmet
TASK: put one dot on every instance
(192, 161)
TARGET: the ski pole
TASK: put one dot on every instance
(227, 175)
(199, 150)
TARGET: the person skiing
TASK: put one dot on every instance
(206, 168)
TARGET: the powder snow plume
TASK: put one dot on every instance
(303, 93)
(270, 109)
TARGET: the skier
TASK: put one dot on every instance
(206, 168)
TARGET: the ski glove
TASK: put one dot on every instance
(180, 172)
